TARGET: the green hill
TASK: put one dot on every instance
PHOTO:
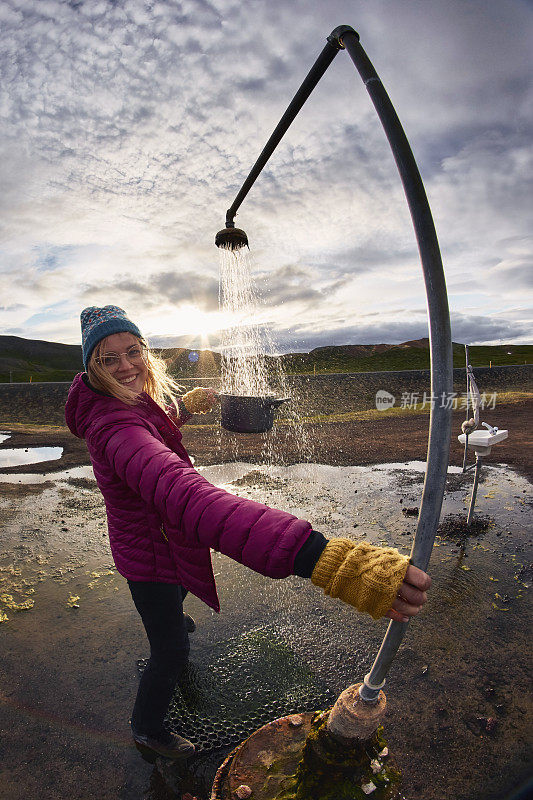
(390, 357)
(22, 360)
(25, 359)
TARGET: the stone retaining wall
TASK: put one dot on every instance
(311, 394)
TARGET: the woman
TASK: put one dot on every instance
(164, 517)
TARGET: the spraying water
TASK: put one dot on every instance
(245, 343)
(249, 366)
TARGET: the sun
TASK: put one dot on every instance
(189, 322)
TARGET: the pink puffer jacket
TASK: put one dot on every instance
(163, 516)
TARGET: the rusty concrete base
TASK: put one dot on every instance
(265, 766)
(266, 761)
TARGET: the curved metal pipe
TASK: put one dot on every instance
(344, 37)
(440, 348)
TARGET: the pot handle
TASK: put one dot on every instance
(278, 401)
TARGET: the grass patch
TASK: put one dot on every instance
(503, 398)
(32, 427)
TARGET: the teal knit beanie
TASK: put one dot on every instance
(97, 323)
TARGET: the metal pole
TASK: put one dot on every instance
(467, 380)
(467, 404)
(440, 348)
(479, 462)
(313, 76)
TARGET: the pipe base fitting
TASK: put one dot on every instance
(351, 720)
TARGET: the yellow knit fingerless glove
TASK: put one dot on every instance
(199, 400)
(361, 574)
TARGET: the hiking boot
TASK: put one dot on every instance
(190, 624)
(168, 745)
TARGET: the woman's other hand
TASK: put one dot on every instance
(411, 596)
(200, 400)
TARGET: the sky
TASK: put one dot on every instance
(128, 126)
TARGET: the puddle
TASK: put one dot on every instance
(414, 466)
(4, 435)
(29, 455)
(57, 477)
(226, 474)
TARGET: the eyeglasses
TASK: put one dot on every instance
(135, 355)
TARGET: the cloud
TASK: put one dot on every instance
(374, 328)
(305, 286)
(129, 128)
(159, 289)
(465, 329)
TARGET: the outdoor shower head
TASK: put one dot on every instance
(231, 238)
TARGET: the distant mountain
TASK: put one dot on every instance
(31, 359)
(22, 359)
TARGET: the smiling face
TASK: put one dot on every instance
(131, 376)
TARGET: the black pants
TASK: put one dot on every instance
(161, 608)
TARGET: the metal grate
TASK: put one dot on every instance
(243, 683)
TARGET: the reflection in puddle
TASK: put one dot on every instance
(29, 455)
(30, 478)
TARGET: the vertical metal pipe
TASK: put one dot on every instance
(479, 462)
(467, 381)
(440, 347)
(465, 454)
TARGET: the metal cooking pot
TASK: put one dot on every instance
(248, 414)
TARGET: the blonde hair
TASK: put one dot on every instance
(158, 385)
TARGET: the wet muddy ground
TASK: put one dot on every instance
(360, 441)
(459, 692)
